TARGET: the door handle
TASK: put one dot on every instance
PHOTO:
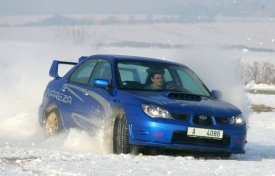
(63, 89)
(87, 93)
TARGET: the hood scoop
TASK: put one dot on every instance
(182, 96)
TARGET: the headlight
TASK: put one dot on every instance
(155, 111)
(237, 120)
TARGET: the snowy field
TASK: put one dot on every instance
(26, 54)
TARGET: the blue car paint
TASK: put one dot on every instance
(77, 101)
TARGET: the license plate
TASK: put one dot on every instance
(205, 133)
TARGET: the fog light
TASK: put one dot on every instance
(240, 142)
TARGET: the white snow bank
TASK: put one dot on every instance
(253, 86)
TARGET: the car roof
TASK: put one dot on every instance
(132, 58)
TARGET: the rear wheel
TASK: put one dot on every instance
(53, 124)
(121, 136)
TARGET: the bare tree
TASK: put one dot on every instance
(260, 72)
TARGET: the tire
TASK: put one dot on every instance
(121, 136)
(53, 124)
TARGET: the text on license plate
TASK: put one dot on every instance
(208, 133)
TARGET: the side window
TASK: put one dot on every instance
(82, 73)
(131, 72)
(128, 74)
(103, 70)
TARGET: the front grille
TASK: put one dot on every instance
(181, 96)
(200, 119)
(181, 137)
(184, 117)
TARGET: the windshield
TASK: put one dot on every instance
(155, 76)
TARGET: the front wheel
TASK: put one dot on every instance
(121, 136)
(53, 124)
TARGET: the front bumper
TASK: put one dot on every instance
(172, 134)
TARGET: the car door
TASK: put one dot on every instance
(75, 113)
(101, 98)
(88, 105)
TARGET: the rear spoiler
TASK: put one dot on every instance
(54, 68)
(82, 58)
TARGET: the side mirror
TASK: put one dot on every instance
(102, 83)
(216, 94)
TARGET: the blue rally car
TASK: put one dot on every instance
(141, 103)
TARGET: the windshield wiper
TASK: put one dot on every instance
(132, 88)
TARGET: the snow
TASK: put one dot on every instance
(253, 86)
(25, 58)
(74, 153)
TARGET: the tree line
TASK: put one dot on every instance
(259, 72)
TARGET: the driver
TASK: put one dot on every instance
(158, 81)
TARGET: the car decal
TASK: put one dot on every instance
(66, 87)
(102, 101)
(105, 104)
(78, 118)
(59, 96)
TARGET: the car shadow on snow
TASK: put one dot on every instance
(254, 152)
(185, 153)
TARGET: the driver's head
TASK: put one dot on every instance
(157, 76)
(158, 79)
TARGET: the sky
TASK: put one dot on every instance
(148, 7)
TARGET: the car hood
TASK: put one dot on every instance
(186, 103)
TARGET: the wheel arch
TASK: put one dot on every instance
(47, 110)
(116, 111)
(110, 122)
(114, 114)
(121, 135)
